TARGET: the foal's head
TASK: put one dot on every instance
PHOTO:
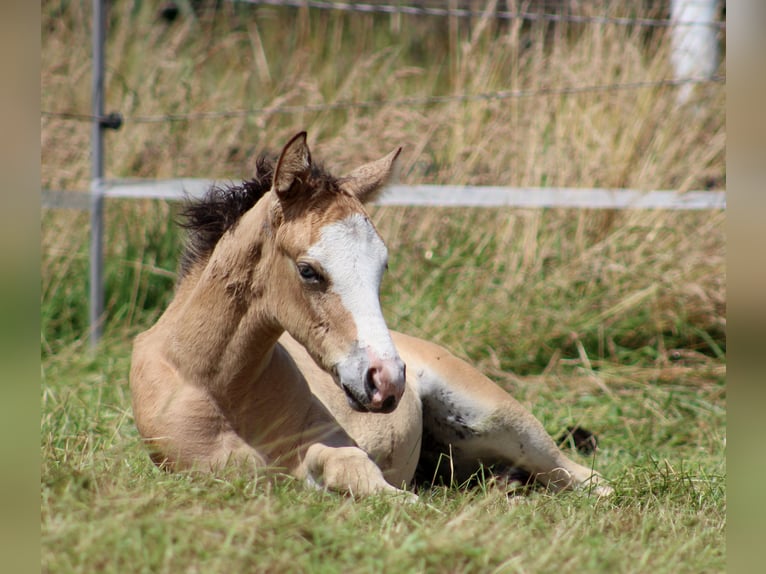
(318, 270)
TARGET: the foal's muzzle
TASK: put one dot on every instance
(372, 384)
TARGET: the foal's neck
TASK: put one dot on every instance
(221, 331)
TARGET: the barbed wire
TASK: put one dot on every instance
(68, 116)
(411, 101)
(466, 13)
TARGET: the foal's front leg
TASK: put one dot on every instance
(346, 469)
(472, 421)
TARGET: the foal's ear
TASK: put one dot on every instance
(294, 163)
(366, 182)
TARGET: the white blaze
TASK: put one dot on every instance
(354, 256)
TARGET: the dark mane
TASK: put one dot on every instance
(207, 219)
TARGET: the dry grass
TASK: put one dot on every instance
(234, 60)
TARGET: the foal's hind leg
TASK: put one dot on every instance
(473, 421)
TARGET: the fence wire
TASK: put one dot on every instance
(412, 101)
(468, 13)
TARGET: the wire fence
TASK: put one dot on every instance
(402, 102)
(411, 10)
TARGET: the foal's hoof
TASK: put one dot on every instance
(603, 490)
(399, 494)
(597, 487)
(410, 497)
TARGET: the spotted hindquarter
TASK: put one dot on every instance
(468, 421)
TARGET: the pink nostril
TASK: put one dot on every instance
(384, 384)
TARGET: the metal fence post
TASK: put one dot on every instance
(97, 174)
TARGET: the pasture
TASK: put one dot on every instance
(611, 320)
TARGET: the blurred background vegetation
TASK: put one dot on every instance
(515, 289)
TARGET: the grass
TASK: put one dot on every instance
(612, 320)
(106, 507)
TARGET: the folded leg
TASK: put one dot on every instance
(468, 421)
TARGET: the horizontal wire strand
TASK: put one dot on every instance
(413, 101)
(466, 13)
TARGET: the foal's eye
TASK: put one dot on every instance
(308, 273)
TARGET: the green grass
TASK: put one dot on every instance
(106, 507)
(615, 321)
(655, 396)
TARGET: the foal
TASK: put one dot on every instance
(274, 350)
